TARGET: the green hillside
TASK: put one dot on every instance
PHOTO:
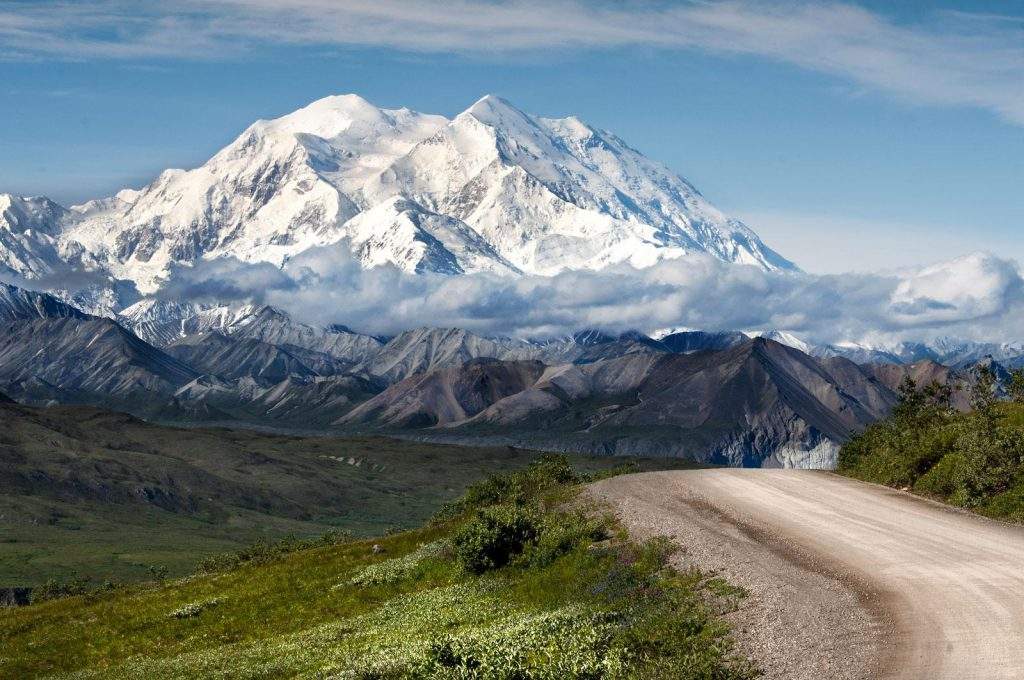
(520, 579)
(91, 493)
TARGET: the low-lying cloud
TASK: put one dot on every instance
(978, 296)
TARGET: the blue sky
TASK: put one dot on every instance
(851, 137)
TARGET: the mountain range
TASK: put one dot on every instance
(491, 190)
(716, 397)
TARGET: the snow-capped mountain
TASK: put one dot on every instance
(951, 352)
(783, 338)
(493, 189)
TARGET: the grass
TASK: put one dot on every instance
(91, 493)
(972, 460)
(577, 599)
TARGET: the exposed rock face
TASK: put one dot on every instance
(86, 360)
(717, 397)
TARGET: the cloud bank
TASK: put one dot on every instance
(978, 296)
(949, 58)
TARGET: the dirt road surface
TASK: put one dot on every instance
(846, 579)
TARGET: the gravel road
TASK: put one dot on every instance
(846, 579)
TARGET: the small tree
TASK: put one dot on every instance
(983, 398)
(910, 405)
(983, 394)
(1016, 386)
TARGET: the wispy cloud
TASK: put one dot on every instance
(946, 58)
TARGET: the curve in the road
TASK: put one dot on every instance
(944, 589)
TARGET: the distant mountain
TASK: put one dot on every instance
(947, 351)
(85, 360)
(231, 358)
(447, 395)
(717, 397)
(759, 403)
(18, 303)
(493, 189)
(163, 322)
(683, 342)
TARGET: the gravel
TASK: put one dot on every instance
(845, 579)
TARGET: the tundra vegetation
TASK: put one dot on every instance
(973, 459)
(522, 577)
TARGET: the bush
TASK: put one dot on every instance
(80, 585)
(547, 472)
(494, 536)
(194, 609)
(966, 459)
(572, 642)
(560, 533)
(54, 590)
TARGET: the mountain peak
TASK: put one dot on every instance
(495, 189)
(496, 111)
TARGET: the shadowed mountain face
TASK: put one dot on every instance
(231, 359)
(89, 360)
(447, 395)
(696, 341)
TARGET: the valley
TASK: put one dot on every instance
(89, 493)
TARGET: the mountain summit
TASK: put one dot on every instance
(493, 189)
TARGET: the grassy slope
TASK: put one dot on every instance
(591, 610)
(100, 494)
(964, 459)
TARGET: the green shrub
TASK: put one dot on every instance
(398, 568)
(194, 609)
(79, 585)
(54, 589)
(569, 643)
(951, 475)
(561, 532)
(1008, 504)
(494, 536)
(966, 459)
(547, 472)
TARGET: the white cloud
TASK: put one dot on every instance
(949, 59)
(979, 296)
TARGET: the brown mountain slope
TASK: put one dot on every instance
(757, 403)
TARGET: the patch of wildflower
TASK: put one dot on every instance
(569, 642)
(193, 609)
(397, 568)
